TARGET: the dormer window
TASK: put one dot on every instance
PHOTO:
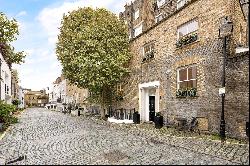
(138, 30)
(160, 3)
(187, 28)
(187, 33)
(136, 14)
(158, 18)
(181, 3)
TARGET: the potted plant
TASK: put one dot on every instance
(136, 117)
(158, 119)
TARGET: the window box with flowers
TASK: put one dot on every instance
(187, 39)
(192, 92)
(187, 33)
(186, 82)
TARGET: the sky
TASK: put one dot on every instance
(38, 22)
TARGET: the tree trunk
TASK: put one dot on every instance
(102, 105)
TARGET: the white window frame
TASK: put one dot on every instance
(186, 25)
(138, 29)
(136, 14)
(186, 67)
(181, 3)
(151, 49)
(157, 17)
(160, 2)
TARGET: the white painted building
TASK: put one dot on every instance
(53, 91)
(61, 92)
(21, 97)
(58, 91)
(5, 81)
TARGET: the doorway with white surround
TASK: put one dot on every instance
(149, 100)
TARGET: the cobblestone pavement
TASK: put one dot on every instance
(48, 137)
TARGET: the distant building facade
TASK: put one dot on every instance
(36, 98)
(21, 97)
(64, 92)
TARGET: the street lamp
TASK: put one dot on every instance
(224, 32)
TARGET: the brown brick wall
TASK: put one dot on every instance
(237, 95)
(206, 53)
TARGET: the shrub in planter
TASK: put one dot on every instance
(6, 110)
(136, 117)
(158, 119)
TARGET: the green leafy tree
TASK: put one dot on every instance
(93, 50)
(8, 33)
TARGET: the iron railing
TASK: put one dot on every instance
(121, 114)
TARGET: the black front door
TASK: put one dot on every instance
(151, 108)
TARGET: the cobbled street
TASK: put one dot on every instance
(49, 137)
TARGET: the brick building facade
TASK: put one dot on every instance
(176, 68)
(36, 98)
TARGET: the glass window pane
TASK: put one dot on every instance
(152, 46)
(192, 84)
(182, 31)
(136, 14)
(146, 49)
(192, 73)
(182, 74)
(192, 26)
(183, 85)
(138, 30)
(160, 2)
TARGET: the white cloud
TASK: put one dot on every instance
(22, 13)
(50, 17)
